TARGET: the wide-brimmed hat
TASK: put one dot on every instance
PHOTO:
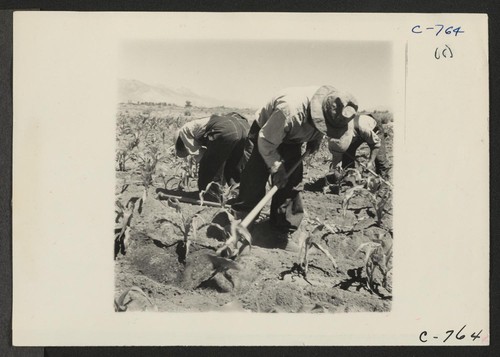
(325, 102)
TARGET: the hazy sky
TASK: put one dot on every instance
(253, 71)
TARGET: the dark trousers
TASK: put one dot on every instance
(382, 164)
(286, 205)
(224, 138)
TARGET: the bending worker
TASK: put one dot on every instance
(217, 143)
(293, 117)
(363, 128)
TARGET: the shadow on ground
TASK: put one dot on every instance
(265, 235)
(357, 281)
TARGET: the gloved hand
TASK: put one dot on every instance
(334, 176)
(278, 175)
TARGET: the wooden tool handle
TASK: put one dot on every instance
(189, 200)
(255, 211)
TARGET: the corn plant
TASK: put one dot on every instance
(186, 173)
(147, 168)
(349, 194)
(373, 191)
(164, 177)
(134, 299)
(173, 163)
(125, 154)
(236, 237)
(373, 184)
(370, 187)
(135, 141)
(220, 193)
(312, 233)
(379, 205)
(378, 255)
(220, 225)
(123, 188)
(336, 177)
(123, 126)
(188, 225)
(122, 229)
(122, 157)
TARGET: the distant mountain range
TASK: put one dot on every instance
(137, 91)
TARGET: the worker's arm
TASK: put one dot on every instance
(373, 155)
(191, 144)
(314, 144)
(366, 131)
(335, 173)
(270, 137)
(336, 155)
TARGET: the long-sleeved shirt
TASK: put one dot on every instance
(191, 133)
(364, 126)
(363, 129)
(286, 118)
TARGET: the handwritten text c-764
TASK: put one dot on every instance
(438, 30)
(461, 334)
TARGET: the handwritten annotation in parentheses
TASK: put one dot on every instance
(443, 52)
(438, 30)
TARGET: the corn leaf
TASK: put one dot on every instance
(174, 203)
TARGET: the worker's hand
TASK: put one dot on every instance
(313, 146)
(334, 176)
(278, 175)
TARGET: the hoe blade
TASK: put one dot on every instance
(240, 238)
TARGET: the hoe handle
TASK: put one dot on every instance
(255, 211)
(189, 200)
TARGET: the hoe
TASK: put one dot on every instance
(239, 229)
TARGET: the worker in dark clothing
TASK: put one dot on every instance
(295, 116)
(217, 142)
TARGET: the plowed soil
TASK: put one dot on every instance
(262, 278)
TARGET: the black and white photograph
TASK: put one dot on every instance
(254, 176)
(250, 179)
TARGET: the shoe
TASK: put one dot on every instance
(291, 246)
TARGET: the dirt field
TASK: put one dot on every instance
(265, 278)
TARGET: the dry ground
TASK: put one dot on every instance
(257, 281)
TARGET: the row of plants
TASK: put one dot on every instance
(353, 183)
(146, 157)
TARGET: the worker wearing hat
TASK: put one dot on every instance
(364, 128)
(217, 142)
(293, 117)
